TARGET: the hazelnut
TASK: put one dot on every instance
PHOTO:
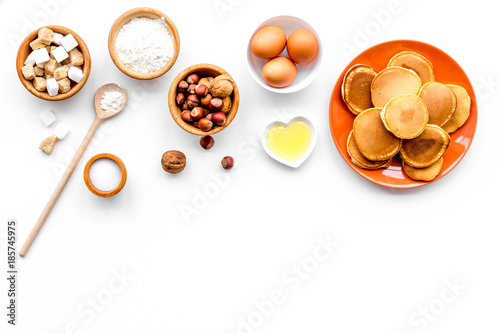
(195, 124)
(197, 113)
(209, 116)
(205, 124)
(227, 162)
(183, 86)
(192, 89)
(215, 104)
(201, 90)
(185, 106)
(193, 101)
(173, 161)
(206, 81)
(226, 104)
(205, 101)
(219, 118)
(193, 78)
(180, 99)
(186, 116)
(222, 86)
(207, 142)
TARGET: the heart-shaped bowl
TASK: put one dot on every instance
(303, 158)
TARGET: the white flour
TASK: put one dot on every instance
(145, 45)
(111, 100)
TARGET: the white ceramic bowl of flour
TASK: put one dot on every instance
(144, 43)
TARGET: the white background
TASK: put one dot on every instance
(399, 250)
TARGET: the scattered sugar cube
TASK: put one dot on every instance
(60, 54)
(37, 44)
(75, 74)
(61, 72)
(76, 57)
(28, 72)
(64, 85)
(69, 42)
(40, 84)
(52, 87)
(30, 60)
(57, 38)
(41, 56)
(51, 66)
(48, 117)
(48, 144)
(39, 71)
(60, 131)
(46, 36)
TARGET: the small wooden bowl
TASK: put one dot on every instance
(91, 186)
(127, 17)
(203, 70)
(25, 50)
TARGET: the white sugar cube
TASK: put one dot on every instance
(48, 117)
(75, 74)
(60, 54)
(69, 42)
(30, 60)
(57, 38)
(41, 56)
(52, 87)
(60, 131)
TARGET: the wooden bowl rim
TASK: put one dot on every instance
(85, 68)
(175, 111)
(124, 19)
(91, 186)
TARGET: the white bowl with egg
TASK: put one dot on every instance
(305, 74)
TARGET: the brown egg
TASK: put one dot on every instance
(268, 42)
(302, 46)
(279, 72)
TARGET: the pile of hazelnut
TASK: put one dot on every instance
(205, 101)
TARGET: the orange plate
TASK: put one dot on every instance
(447, 71)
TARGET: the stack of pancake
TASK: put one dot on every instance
(402, 110)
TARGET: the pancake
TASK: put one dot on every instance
(425, 174)
(359, 160)
(355, 89)
(405, 116)
(392, 82)
(463, 109)
(374, 141)
(426, 148)
(441, 102)
(416, 62)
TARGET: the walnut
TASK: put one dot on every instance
(173, 161)
(222, 86)
(226, 104)
(206, 81)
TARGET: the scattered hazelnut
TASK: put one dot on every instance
(193, 101)
(192, 89)
(183, 86)
(180, 99)
(221, 86)
(197, 113)
(173, 161)
(226, 104)
(186, 116)
(201, 90)
(227, 162)
(215, 105)
(205, 124)
(219, 118)
(207, 142)
(205, 101)
(193, 78)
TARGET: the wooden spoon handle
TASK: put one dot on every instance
(60, 186)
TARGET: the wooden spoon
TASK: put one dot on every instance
(100, 116)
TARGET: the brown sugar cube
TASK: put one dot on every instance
(46, 75)
(64, 85)
(51, 66)
(61, 73)
(46, 36)
(28, 72)
(40, 84)
(47, 145)
(50, 49)
(75, 57)
(37, 44)
(38, 71)
(65, 61)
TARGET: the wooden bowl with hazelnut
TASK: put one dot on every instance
(25, 50)
(203, 99)
(126, 18)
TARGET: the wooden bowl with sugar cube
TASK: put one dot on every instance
(139, 71)
(59, 43)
